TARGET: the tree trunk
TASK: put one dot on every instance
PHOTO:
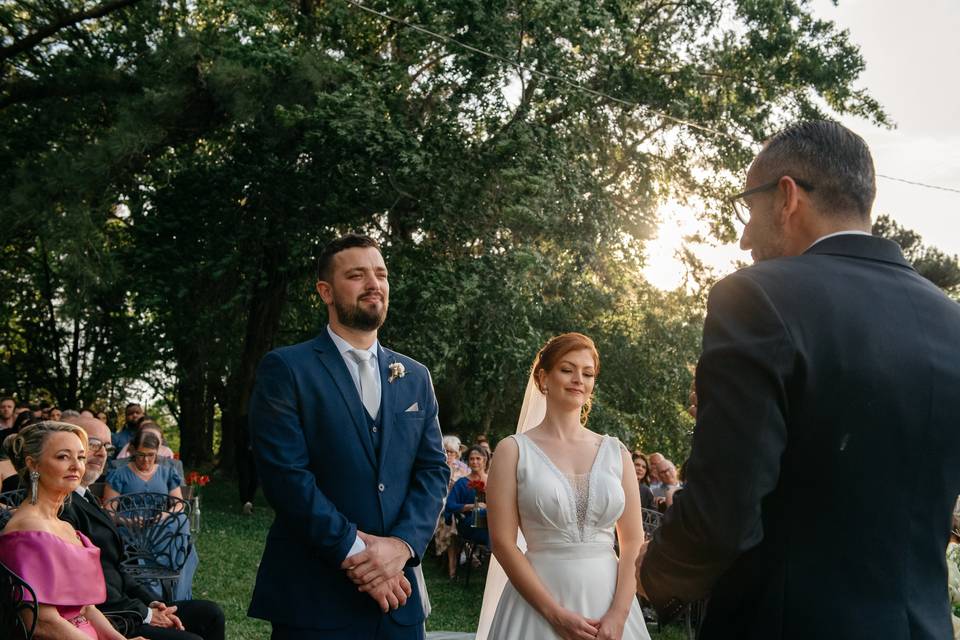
(191, 392)
(263, 323)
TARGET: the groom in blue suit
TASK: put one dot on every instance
(347, 442)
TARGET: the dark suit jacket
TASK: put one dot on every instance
(125, 596)
(823, 376)
(316, 460)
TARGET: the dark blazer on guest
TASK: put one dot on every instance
(125, 596)
(322, 475)
(821, 375)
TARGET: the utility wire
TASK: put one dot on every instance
(588, 90)
(919, 184)
(543, 74)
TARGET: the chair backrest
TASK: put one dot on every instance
(9, 501)
(651, 522)
(155, 528)
(13, 604)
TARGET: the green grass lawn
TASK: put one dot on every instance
(230, 545)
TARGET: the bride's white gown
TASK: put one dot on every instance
(568, 523)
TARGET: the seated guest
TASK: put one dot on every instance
(654, 460)
(7, 469)
(11, 482)
(642, 468)
(62, 565)
(669, 484)
(443, 537)
(163, 451)
(181, 620)
(142, 473)
(462, 500)
(132, 415)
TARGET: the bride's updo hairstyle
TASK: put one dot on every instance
(29, 443)
(557, 347)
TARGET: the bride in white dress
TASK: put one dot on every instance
(566, 488)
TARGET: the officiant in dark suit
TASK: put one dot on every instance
(146, 617)
(348, 447)
(830, 352)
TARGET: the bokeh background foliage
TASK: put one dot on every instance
(168, 170)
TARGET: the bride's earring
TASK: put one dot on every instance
(34, 486)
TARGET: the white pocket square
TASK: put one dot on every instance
(414, 407)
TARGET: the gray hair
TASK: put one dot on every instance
(833, 159)
(451, 443)
(69, 413)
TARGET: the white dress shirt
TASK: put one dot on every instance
(344, 347)
(847, 232)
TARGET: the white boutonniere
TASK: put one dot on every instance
(396, 371)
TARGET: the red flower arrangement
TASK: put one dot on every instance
(197, 480)
(479, 516)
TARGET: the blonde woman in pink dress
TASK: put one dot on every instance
(60, 564)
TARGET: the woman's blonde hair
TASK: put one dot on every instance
(30, 441)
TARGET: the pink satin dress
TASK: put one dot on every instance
(63, 575)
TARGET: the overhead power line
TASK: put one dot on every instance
(576, 85)
(919, 184)
(543, 74)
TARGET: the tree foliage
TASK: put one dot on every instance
(933, 264)
(189, 158)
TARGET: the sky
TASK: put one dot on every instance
(911, 50)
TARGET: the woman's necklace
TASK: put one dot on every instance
(146, 475)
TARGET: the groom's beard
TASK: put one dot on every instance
(356, 317)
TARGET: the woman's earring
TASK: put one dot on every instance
(34, 486)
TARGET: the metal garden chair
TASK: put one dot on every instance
(155, 530)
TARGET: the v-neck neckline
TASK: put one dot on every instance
(593, 465)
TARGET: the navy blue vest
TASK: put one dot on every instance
(374, 428)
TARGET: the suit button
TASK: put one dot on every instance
(381, 487)
(374, 429)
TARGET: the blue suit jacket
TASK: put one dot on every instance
(316, 460)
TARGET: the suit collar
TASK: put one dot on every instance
(81, 502)
(388, 396)
(860, 246)
(331, 359)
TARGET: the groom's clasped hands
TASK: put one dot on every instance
(378, 570)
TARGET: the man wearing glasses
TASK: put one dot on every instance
(826, 361)
(126, 599)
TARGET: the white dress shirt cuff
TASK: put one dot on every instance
(149, 616)
(358, 546)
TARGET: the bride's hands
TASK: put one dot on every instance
(573, 626)
(611, 626)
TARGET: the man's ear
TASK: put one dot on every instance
(325, 291)
(788, 199)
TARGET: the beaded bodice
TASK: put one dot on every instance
(558, 508)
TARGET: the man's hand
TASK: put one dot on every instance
(391, 593)
(384, 558)
(164, 618)
(643, 552)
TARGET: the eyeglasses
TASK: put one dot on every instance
(742, 210)
(96, 445)
(144, 456)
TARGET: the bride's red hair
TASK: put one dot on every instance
(556, 348)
